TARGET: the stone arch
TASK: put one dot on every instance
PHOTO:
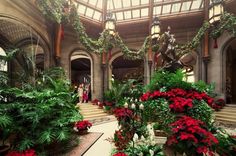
(217, 64)
(3, 64)
(225, 45)
(130, 68)
(41, 49)
(77, 54)
(37, 36)
(114, 56)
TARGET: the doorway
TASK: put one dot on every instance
(124, 69)
(81, 73)
(230, 83)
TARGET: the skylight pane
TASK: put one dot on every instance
(81, 9)
(136, 13)
(135, 2)
(196, 4)
(202, 5)
(126, 3)
(117, 4)
(175, 7)
(157, 0)
(99, 4)
(185, 6)
(93, 2)
(119, 16)
(144, 1)
(127, 14)
(157, 10)
(89, 12)
(144, 12)
(166, 9)
(97, 15)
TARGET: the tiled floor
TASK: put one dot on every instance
(102, 147)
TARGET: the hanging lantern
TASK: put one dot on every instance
(216, 9)
(155, 28)
(110, 24)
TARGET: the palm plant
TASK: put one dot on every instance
(39, 114)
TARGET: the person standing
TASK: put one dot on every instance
(80, 93)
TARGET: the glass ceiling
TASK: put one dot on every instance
(125, 10)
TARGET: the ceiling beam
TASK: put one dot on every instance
(150, 13)
(104, 12)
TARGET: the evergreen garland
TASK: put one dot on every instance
(54, 10)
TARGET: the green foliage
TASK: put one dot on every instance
(201, 86)
(227, 143)
(158, 111)
(227, 23)
(164, 81)
(54, 10)
(201, 111)
(42, 114)
(144, 150)
(117, 92)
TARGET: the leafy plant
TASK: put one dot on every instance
(164, 80)
(41, 114)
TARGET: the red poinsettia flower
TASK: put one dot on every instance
(123, 113)
(29, 152)
(120, 154)
(83, 125)
(191, 132)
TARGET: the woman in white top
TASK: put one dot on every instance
(80, 93)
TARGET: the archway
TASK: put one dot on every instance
(124, 69)
(81, 72)
(36, 52)
(3, 63)
(230, 83)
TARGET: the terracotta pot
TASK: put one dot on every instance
(4, 149)
(83, 132)
(168, 151)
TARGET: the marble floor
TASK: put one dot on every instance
(102, 147)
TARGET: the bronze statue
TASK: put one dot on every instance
(170, 61)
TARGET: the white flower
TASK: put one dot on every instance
(142, 137)
(151, 152)
(135, 138)
(75, 129)
(140, 154)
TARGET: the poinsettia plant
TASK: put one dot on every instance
(29, 152)
(191, 136)
(120, 154)
(82, 125)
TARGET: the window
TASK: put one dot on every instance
(175, 7)
(3, 63)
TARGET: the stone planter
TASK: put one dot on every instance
(159, 133)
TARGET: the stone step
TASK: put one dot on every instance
(229, 113)
(226, 120)
(93, 113)
(225, 117)
(231, 105)
(87, 117)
